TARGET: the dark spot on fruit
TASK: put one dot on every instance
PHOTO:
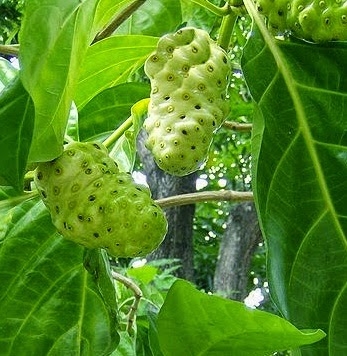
(210, 68)
(225, 59)
(114, 192)
(201, 87)
(280, 12)
(75, 188)
(97, 184)
(97, 146)
(39, 175)
(184, 132)
(96, 234)
(91, 197)
(259, 8)
(155, 213)
(43, 193)
(327, 21)
(120, 181)
(109, 229)
(219, 82)
(213, 123)
(56, 190)
(57, 210)
(154, 58)
(72, 204)
(185, 68)
(181, 156)
(201, 121)
(168, 129)
(182, 117)
(58, 171)
(70, 153)
(193, 147)
(170, 77)
(175, 142)
(89, 219)
(101, 209)
(84, 164)
(80, 217)
(117, 243)
(169, 49)
(194, 49)
(145, 225)
(166, 97)
(185, 96)
(197, 128)
(197, 107)
(88, 171)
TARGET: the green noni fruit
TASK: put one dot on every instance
(95, 205)
(312, 20)
(189, 76)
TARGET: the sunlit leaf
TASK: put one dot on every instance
(210, 325)
(7, 73)
(55, 35)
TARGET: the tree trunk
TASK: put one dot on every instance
(179, 239)
(236, 250)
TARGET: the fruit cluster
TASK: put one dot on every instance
(312, 20)
(95, 205)
(189, 76)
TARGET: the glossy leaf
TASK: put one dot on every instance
(16, 121)
(153, 18)
(300, 169)
(194, 323)
(50, 304)
(106, 111)
(110, 62)
(55, 35)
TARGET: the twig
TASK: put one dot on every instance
(199, 197)
(137, 294)
(118, 20)
(236, 126)
(10, 49)
(118, 132)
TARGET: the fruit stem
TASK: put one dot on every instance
(236, 126)
(118, 20)
(118, 132)
(137, 294)
(219, 11)
(12, 50)
(200, 197)
(226, 30)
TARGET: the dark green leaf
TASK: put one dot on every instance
(300, 169)
(106, 111)
(50, 304)
(154, 18)
(55, 35)
(193, 323)
(16, 121)
(110, 62)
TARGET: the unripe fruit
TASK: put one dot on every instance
(189, 76)
(95, 205)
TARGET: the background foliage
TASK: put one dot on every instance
(57, 298)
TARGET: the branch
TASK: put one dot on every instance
(200, 197)
(137, 294)
(118, 132)
(236, 126)
(118, 20)
(12, 50)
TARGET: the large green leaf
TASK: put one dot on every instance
(50, 304)
(55, 35)
(110, 62)
(300, 186)
(154, 18)
(194, 323)
(16, 121)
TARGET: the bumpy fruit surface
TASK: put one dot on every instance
(189, 76)
(312, 20)
(95, 205)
